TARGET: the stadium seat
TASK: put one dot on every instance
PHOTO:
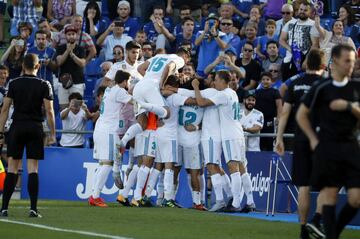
(92, 68)
(89, 86)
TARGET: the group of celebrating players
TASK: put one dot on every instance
(174, 127)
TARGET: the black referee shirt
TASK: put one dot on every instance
(335, 126)
(296, 90)
(28, 93)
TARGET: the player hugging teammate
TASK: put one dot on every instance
(175, 127)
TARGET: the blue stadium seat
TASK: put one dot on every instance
(92, 69)
(89, 86)
(327, 23)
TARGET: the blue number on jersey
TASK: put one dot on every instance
(157, 64)
(236, 109)
(188, 118)
(102, 106)
(121, 124)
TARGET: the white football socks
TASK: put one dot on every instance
(102, 176)
(154, 174)
(235, 188)
(216, 182)
(202, 188)
(160, 186)
(196, 197)
(131, 180)
(226, 185)
(246, 182)
(156, 109)
(141, 180)
(132, 131)
(168, 184)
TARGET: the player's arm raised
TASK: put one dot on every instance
(143, 67)
(199, 99)
(169, 69)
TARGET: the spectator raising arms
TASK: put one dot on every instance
(74, 117)
(14, 56)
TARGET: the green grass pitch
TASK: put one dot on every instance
(119, 222)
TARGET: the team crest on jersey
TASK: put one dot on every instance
(123, 67)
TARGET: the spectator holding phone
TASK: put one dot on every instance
(74, 117)
(13, 57)
(108, 41)
(210, 41)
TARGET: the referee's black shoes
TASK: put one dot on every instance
(34, 213)
(3, 213)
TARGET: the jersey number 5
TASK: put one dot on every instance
(157, 64)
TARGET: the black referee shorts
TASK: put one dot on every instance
(336, 164)
(29, 135)
(302, 163)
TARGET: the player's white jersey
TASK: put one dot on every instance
(157, 65)
(230, 114)
(189, 115)
(113, 100)
(169, 130)
(254, 117)
(124, 66)
(211, 119)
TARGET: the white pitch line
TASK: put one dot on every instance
(63, 230)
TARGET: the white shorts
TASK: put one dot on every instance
(167, 151)
(211, 151)
(105, 146)
(234, 150)
(145, 144)
(148, 93)
(190, 157)
(63, 94)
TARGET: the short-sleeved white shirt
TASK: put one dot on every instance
(230, 114)
(124, 66)
(157, 65)
(254, 117)
(73, 122)
(302, 34)
(189, 115)
(211, 119)
(113, 100)
(169, 130)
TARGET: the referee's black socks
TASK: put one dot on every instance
(9, 187)
(329, 218)
(347, 213)
(33, 189)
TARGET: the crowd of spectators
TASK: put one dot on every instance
(263, 43)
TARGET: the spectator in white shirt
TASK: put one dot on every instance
(74, 117)
(252, 121)
(108, 41)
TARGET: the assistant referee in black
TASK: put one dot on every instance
(336, 149)
(28, 94)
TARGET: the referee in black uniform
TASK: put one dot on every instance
(302, 163)
(28, 94)
(336, 150)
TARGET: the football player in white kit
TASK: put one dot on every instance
(167, 142)
(232, 135)
(147, 91)
(252, 121)
(106, 133)
(211, 145)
